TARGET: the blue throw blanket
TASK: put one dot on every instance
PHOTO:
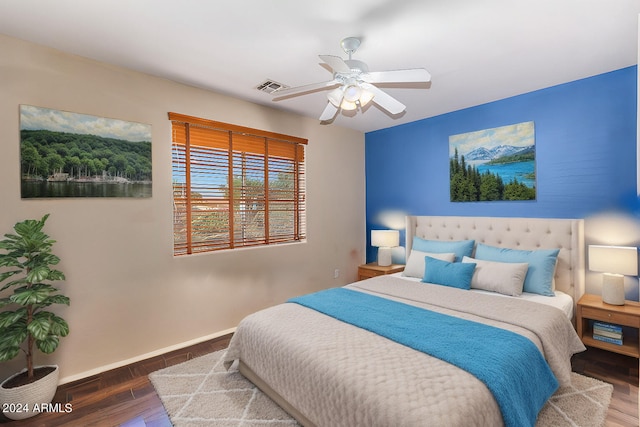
(510, 365)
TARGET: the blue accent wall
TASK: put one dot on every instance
(585, 136)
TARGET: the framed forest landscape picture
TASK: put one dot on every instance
(64, 154)
(493, 164)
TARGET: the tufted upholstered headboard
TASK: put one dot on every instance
(515, 233)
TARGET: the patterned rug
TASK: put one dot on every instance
(201, 392)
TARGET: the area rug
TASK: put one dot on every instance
(201, 392)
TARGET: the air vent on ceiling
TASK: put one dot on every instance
(270, 86)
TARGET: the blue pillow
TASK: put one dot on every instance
(453, 274)
(461, 248)
(542, 265)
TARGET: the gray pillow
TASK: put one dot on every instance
(502, 277)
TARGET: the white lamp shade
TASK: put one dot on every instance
(385, 238)
(365, 97)
(348, 105)
(352, 93)
(614, 259)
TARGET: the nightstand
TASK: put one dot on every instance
(366, 271)
(591, 307)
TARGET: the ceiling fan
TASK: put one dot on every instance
(354, 85)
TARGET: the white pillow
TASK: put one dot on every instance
(502, 277)
(415, 263)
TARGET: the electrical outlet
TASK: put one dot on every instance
(336, 273)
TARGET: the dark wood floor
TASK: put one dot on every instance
(120, 397)
(125, 397)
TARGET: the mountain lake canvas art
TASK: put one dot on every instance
(493, 164)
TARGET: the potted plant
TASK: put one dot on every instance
(26, 267)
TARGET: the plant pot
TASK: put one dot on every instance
(27, 400)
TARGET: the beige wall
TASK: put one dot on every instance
(129, 295)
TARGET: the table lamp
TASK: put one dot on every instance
(385, 240)
(615, 262)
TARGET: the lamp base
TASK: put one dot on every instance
(613, 289)
(384, 256)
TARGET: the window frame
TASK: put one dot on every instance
(281, 155)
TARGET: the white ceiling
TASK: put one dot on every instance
(477, 51)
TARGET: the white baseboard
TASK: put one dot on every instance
(154, 353)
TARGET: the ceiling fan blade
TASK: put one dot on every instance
(414, 75)
(299, 90)
(329, 112)
(336, 63)
(384, 100)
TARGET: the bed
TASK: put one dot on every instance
(326, 371)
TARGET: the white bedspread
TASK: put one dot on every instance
(340, 375)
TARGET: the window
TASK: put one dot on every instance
(234, 186)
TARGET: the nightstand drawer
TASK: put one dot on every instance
(612, 317)
(367, 271)
(364, 273)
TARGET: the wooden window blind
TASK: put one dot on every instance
(234, 186)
